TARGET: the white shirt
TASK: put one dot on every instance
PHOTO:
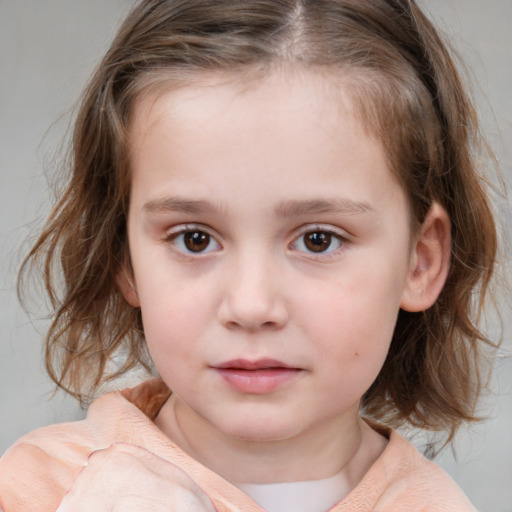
(310, 496)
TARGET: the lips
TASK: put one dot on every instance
(260, 364)
(256, 377)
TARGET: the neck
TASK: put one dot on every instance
(345, 445)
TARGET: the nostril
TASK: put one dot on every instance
(251, 326)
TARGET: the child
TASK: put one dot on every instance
(278, 200)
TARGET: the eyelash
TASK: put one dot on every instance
(333, 234)
(173, 236)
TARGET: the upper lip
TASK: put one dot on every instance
(246, 364)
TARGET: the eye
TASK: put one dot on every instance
(194, 241)
(318, 241)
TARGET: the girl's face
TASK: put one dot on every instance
(270, 246)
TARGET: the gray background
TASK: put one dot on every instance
(47, 50)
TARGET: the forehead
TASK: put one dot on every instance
(292, 129)
(215, 93)
(290, 99)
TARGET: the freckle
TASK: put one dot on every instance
(356, 354)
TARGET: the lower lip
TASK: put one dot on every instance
(258, 382)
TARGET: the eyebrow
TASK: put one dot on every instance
(284, 209)
(177, 204)
(337, 205)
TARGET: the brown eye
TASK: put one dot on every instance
(317, 241)
(196, 241)
(192, 241)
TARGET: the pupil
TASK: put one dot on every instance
(318, 241)
(196, 241)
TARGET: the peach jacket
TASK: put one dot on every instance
(38, 470)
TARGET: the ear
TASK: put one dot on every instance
(126, 284)
(430, 261)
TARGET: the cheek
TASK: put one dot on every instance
(175, 316)
(170, 342)
(167, 299)
(354, 321)
(351, 353)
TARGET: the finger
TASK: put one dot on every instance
(124, 476)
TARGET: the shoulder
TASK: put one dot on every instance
(421, 482)
(37, 470)
(403, 479)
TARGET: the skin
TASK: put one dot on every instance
(256, 171)
(127, 478)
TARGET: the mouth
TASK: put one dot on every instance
(247, 365)
(256, 377)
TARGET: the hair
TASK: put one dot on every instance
(409, 94)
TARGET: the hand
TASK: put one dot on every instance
(127, 478)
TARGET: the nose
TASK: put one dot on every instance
(253, 297)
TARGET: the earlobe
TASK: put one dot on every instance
(430, 261)
(127, 287)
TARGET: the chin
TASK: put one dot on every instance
(262, 431)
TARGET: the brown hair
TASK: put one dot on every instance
(409, 95)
